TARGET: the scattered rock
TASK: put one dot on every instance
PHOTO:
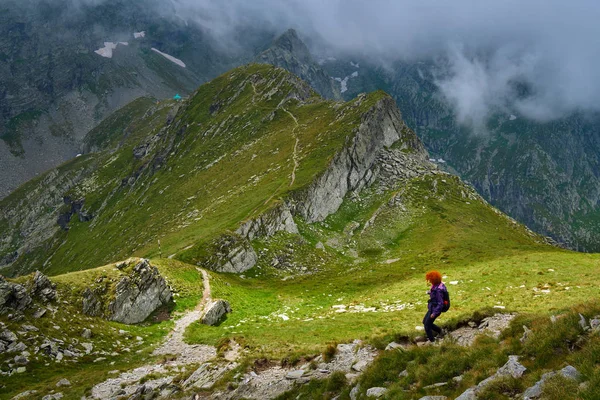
(376, 392)
(39, 313)
(595, 324)
(360, 366)
(583, 322)
(8, 336)
(394, 346)
(403, 374)
(435, 385)
(215, 311)
(87, 333)
(320, 246)
(354, 392)
(21, 360)
(20, 370)
(54, 396)
(63, 382)
(30, 328)
(433, 398)
(25, 395)
(535, 391)
(526, 334)
(297, 374)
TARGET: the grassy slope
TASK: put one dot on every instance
(495, 261)
(222, 168)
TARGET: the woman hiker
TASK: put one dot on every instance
(434, 305)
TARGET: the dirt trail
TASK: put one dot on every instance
(174, 345)
(295, 154)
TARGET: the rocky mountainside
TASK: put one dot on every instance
(65, 66)
(545, 175)
(276, 227)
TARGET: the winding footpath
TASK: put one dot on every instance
(174, 347)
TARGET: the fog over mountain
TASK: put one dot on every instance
(538, 58)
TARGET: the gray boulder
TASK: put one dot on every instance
(595, 324)
(43, 288)
(215, 311)
(512, 368)
(132, 299)
(139, 294)
(434, 398)
(535, 391)
(376, 392)
(8, 336)
(12, 297)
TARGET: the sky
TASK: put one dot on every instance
(550, 47)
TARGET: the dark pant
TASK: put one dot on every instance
(430, 327)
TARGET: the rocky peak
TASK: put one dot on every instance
(290, 53)
(291, 43)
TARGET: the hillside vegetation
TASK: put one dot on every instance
(316, 220)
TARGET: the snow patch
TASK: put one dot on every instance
(170, 58)
(139, 35)
(354, 74)
(107, 50)
(512, 117)
(354, 65)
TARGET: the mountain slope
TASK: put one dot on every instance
(316, 221)
(546, 175)
(59, 78)
(258, 117)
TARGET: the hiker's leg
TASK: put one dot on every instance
(435, 327)
(427, 323)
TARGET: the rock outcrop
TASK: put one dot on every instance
(133, 298)
(139, 294)
(275, 220)
(215, 311)
(12, 297)
(42, 288)
(355, 166)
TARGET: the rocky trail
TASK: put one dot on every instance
(177, 355)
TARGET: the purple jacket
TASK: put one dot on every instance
(436, 299)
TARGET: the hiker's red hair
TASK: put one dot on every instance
(434, 277)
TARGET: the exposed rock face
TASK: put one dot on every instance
(290, 53)
(139, 294)
(12, 297)
(231, 253)
(43, 288)
(355, 167)
(215, 311)
(134, 297)
(92, 303)
(269, 223)
(512, 368)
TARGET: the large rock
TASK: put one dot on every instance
(376, 392)
(535, 391)
(512, 368)
(12, 297)
(215, 311)
(139, 294)
(42, 288)
(135, 296)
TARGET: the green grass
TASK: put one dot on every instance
(428, 365)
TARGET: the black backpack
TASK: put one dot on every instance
(446, 295)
